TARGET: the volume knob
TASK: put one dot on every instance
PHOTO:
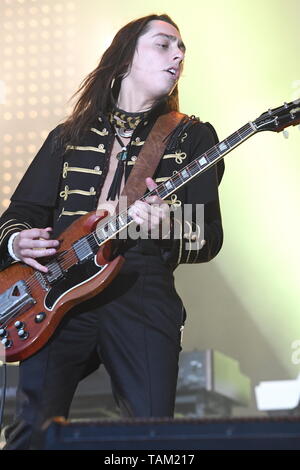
(7, 343)
(19, 324)
(3, 333)
(23, 334)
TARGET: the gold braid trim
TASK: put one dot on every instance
(100, 148)
(12, 228)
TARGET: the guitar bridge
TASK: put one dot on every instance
(15, 300)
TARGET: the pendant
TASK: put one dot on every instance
(122, 156)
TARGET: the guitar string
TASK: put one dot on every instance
(70, 255)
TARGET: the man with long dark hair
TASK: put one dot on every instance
(133, 327)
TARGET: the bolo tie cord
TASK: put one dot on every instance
(115, 187)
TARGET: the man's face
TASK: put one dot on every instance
(157, 61)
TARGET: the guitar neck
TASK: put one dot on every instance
(113, 225)
(204, 161)
(274, 120)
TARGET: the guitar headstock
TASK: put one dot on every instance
(278, 119)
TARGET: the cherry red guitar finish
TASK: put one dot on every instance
(24, 332)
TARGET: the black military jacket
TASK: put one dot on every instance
(62, 184)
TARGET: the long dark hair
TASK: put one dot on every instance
(99, 89)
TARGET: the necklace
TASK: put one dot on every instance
(122, 155)
(125, 123)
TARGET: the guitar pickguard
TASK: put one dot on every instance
(77, 275)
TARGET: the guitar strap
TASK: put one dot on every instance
(150, 155)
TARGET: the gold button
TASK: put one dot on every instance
(100, 146)
(186, 236)
(194, 238)
(134, 158)
(92, 189)
(97, 168)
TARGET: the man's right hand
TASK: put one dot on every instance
(34, 243)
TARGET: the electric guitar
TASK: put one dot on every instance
(33, 303)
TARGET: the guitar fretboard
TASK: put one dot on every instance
(117, 223)
(202, 163)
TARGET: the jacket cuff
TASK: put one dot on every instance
(10, 246)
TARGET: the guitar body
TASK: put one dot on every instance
(32, 308)
(32, 303)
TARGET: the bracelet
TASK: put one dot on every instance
(10, 246)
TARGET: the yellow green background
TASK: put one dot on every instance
(242, 58)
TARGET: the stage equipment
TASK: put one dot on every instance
(279, 397)
(178, 434)
(210, 384)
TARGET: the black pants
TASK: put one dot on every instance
(133, 328)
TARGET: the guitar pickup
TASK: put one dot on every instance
(83, 250)
(54, 273)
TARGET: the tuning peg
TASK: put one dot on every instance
(285, 134)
